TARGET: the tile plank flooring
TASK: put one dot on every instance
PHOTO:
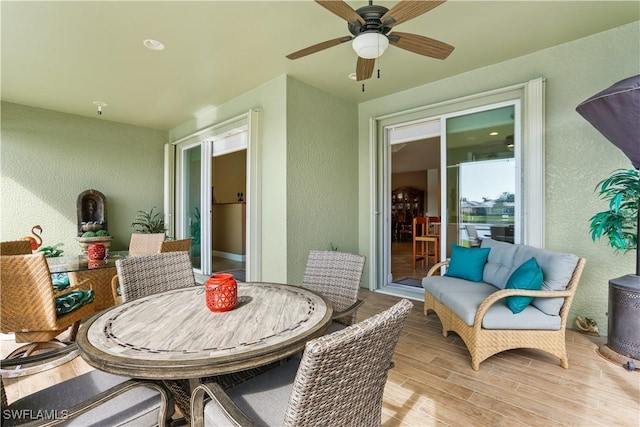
(433, 384)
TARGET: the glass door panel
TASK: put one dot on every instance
(482, 189)
(191, 205)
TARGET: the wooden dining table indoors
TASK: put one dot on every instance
(173, 335)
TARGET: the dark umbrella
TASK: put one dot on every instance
(615, 112)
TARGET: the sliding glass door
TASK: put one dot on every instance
(481, 183)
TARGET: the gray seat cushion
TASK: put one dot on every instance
(498, 316)
(137, 407)
(264, 398)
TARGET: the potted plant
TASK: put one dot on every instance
(149, 222)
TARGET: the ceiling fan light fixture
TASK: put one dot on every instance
(370, 45)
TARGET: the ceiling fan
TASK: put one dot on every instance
(371, 27)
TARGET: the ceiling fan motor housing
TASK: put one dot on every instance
(372, 23)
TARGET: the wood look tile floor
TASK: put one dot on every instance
(432, 383)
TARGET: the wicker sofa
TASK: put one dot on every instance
(478, 311)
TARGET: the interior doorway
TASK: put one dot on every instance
(415, 192)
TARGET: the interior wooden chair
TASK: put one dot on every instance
(93, 398)
(323, 388)
(176, 245)
(28, 305)
(425, 245)
(149, 274)
(15, 247)
(336, 275)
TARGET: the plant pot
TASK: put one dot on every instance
(86, 241)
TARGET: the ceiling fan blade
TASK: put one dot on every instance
(341, 9)
(420, 45)
(364, 68)
(408, 9)
(318, 47)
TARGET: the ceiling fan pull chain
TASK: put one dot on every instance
(363, 87)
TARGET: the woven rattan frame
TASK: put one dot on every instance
(101, 278)
(15, 247)
(149, 274)
(340, 380)
(27, 300)
(336, 275)
(484, 343)
(175, 245)
(145, 243)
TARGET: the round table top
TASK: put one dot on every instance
(173, 335)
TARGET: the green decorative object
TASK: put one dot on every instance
(52, 251)
(619, 223)
(89, 234)
(149, 222)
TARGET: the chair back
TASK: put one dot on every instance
(145, 243)
(149, 274)
(420, 226)
(330, 389)
(176, 245)
(474, 240)
(336, 275)
(15, 247)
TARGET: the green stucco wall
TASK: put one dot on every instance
(576, 155)
(49, 158)
(322, 178)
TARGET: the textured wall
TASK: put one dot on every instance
(48, 158)
(322, 180)
(576, 155)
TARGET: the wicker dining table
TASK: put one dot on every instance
(173, 335)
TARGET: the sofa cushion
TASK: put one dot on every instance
(500, 262)
(498, 316)
(437, 285)
(526, 276)
(557, 269)
(467, 263)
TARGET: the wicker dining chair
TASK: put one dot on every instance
(93, 398)
(339, 381)
(28, 302)
(176, 245)
(15, 247)
(145, 243)
(149, 274)
(336, 275)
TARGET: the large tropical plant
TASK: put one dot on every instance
(620, 222)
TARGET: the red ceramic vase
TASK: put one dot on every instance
(221, 292)
(96, 251)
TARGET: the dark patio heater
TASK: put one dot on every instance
(615, 112)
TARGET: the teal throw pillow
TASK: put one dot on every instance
(467, 263)
(527, 276)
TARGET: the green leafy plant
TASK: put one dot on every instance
(89, 234)
(195, 227)
(619, 222)
(102, 233)
(149, 222)
(52, 251)
(332, 248)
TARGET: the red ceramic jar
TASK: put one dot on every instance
(96, 251)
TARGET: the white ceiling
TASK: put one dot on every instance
(64, 56)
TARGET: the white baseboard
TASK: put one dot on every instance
(229, 255)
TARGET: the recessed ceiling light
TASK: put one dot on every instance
(352, 76)
(493, 133)
(153, 44)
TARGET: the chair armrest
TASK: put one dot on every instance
(504, 293)
(84, 285)
(167, 405)
(217, 395)
(347, 311)
(437, 267)
(115, 283)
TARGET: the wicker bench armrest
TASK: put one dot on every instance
(217, 395)
(348, 311)
(167, 405)
(504, 293)
(437, 267)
